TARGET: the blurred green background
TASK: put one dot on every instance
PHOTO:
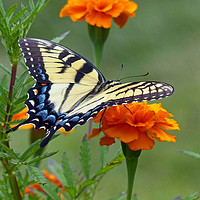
(164, 40)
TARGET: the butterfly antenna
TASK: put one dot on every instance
(120, 71)
(135, 76)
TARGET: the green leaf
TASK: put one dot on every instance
(194, 196)
(17, 110)
(2, 100)
(102, 151)
(32, 149)
(5, 81)
(114, 163)
(36, 174)
(2, 11)
(4, 155)
(61, 37)
(119, 197)
(19, 83)
(17, 16)
(3, 111)
(9, 151)
(51, 190)
(10, 12)
(85, 156)
(2, 120)
(32, 5)
(191, 154)
(88, 182)
(56, 169)
(71, 191)
(4, 94)
(5, 69)
(38, 158)
(67, 171)
(29, 80)
(38, 194)
(134, 197)
(22, 99)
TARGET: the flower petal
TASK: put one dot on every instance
(123, 132)
(95, 133)
(107, 141)
(161, 135)
(75, 9)
(169, 124)
(129, 11)
(98, 19)
(143, 142)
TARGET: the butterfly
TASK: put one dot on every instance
(70, 90)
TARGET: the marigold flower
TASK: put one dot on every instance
(136, 124)
(100, 13)
(30, 189)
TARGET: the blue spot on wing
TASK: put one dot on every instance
(43, 114)
(41, 98)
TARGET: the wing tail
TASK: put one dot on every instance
(49, 135)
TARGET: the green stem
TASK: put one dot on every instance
(9, 169)
(131, 164)
(13, 184)
(98, 36)
(98, 52)
(12, 180)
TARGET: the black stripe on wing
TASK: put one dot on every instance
(36, 52)
(40, 110)
(69, 122)
(34, 60)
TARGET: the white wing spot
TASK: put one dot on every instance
(32, 102)
(33, 111)
(36, 119)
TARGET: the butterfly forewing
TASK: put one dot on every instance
(69, 89)
(51, 62)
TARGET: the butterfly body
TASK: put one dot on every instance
(69, 90)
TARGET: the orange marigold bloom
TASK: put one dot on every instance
(136, 124)
(100, 13)
(30, 189)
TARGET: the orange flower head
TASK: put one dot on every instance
(100, 13)
(136, 124)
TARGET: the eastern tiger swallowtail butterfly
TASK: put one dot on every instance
(69, 90)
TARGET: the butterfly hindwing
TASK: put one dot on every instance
(69, 90)
(116, 95)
